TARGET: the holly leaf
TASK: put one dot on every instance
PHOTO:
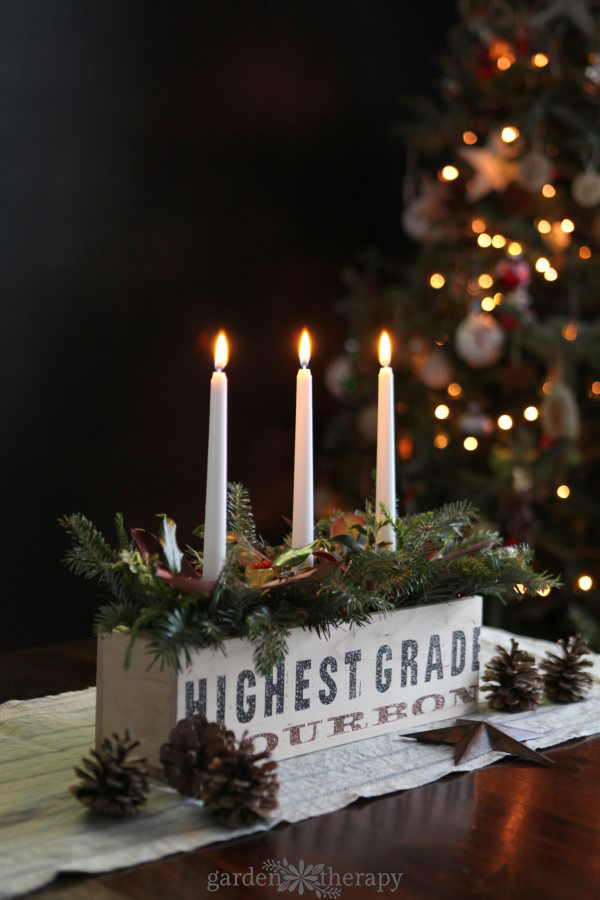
(294, 556)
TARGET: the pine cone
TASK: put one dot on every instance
(564, 678)
(191, 746)
(237, 791)
(515, 682)
(116, 783)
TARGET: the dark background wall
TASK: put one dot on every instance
(168, 169)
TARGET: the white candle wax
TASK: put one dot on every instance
(215, 520)
(385, 483)
(303, 513)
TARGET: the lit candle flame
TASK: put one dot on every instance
(221, 352)
(304, 351)
(385, 349)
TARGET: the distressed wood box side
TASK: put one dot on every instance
(407, 668)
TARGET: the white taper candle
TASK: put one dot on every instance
(215, 520)
(303, 515)
(385, 482)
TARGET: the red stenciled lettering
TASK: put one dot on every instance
(348, 722)
(271, 741)
(390, 713)
(417, 707)
(294, 731)
(465, 695)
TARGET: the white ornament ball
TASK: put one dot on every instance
(585, 189)
(559, 413)
(535, 170)
(479, 339)
(436, 371)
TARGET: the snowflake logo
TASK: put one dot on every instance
(300, 877)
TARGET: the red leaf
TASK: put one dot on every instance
(187, 585)
(147, 543)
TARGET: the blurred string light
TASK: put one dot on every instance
(505, 422)
(441, 441)
(520, 589)
(437, 281)
(539, 60)
(505, 61)
(485, 281)
(509, 134)
(584, 252)
(544, 226)
(514, 248)
(470, 443)
(549, 190)
(563, 491)
(544, 591)
(585, 582)
(442, 411)
(595, 389)
(550, 274)
(547, 387)
(567, 225)
(531, 413)
(469, 137)
(488, 304)
(448, 173)
(498, 298)
(498, 241)
(455, 390)
(542, 264)
(569, 332)
(478, 225)
(484, 240)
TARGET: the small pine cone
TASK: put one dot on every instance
(239, 788)
(515, 684)
(191, 746)
(564, 678)
(116, 783)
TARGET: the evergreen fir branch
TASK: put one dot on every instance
(122, 536)
(240, 518)
(91, 556)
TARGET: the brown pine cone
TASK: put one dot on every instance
(515, 684)
(191, 746)
(116, 783)
(564, 678)
(238, 790)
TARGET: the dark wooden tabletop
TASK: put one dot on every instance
(509, 831)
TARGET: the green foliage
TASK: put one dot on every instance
(441, 556)
(240, 518)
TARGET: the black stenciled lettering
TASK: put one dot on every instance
(328, 663)
(302, 684)
(193, 707)
(476, 649)
(275, 689)
(434, 658)
(351, 658)
(221, 687)
(459, 652)
(408, 660)
(245, 713)
(383, 677)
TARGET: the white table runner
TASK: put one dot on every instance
(44, 831)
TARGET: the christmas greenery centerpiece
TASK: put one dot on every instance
(262, 592)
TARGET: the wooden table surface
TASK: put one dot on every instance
(509, 831)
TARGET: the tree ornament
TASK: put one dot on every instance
(559, 414)
(474, 421)
(576, 12)
(479, 339)
(585, 188)
(239, 788)
(564, 678)
(492, 170)
(473, 738)
(514, 682)
(535, 170)
(512, 273)
(436, 372)
(192, 744)
(425, 216)
(337, 377)
(116, 783)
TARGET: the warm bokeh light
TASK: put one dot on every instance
(547, 387)
(405, 447)
(478, 225)
(469, 137)
(437, 281)
(505, 422)
(498, 298)
(531, 413)
(485, 281)
(544, 226)
(505, 62)
(385, 349)
(442, 411)
(567, 225)
(550, 274)
(569, 332)
(585, 583)
(440, 441)
(488, 304)
(304, 349)
(584, 252)
(542, 264)
(596, 388)
(509, 134)
(539, 60)
(514, 248)
(520, 589)
(484, 240)
(563, 491)
(549, 190)
(448, 173)
(544, 591)
(455, 390)
(498, 241)
(221, 352)
(470, 443)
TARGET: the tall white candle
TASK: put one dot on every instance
(215, 521)
(303, 515)
(385, 483)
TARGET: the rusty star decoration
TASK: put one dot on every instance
(474, 738)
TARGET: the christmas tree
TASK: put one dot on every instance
(496, 317)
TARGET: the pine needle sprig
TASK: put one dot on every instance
(240, 517)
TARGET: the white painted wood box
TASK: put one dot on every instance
(408, 667)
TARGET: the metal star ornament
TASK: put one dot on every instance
(492, 171)
(474, 738)
(577, 12)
